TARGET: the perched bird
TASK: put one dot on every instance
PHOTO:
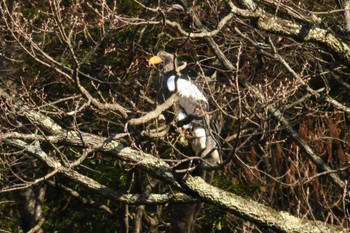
(191, 109)
(192, 114)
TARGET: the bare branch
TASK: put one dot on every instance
(204, 33)
(103, 106)
(314, 33)
(248, 209)
(272, 110)
(155, 113)
(263, 215)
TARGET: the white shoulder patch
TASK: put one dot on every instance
(171, 83)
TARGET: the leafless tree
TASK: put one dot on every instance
(80, 114)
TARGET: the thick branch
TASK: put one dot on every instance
(272, 110)
(247, 209)
(135, 199)
(252, 211)
(306, 33)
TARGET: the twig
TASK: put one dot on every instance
(306, 33)
(84, 200)
(287, 66)
(204, 33)
(247, 209)
(156, 112)
(337, 104)
(271, 109)
(96, 102)
(37, 226)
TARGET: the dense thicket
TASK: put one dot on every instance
(74, 76)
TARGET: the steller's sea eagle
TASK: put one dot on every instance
(191, 109)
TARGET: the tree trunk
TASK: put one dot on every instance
(31, 208)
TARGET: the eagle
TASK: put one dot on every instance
(192, 109)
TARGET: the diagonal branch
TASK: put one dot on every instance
(205, 33)
(271, 109)
(35, 150)
(305, 33)
(252, 211)
(155, 113)
(96, 102)
(193, 186)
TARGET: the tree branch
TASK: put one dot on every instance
(35, 150)
(247, 209)
(96, 102)
(259, 13)
(252, 211)
(305, 33)
(156, 112)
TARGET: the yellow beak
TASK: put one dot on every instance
(155, 60)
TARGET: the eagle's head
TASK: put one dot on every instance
(164, 58)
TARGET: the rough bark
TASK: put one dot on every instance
(273, 24)
(31, 210)
(44, 132)
(253, 211)
(345, 4)
(247, 209)
(306, 33)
